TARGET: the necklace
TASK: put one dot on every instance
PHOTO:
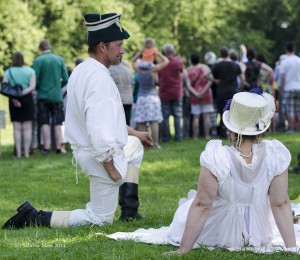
(246, 156)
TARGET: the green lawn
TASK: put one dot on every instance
(49, 183)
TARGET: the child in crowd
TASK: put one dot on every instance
(149, 51)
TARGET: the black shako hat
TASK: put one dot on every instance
(104, 28)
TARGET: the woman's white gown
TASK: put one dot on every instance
(241, 215)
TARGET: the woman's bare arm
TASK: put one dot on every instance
(32, 84)
(281, 208)
(164, 62)
(199, 210)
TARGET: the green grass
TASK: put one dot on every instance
(49, 183)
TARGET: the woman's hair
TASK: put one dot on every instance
(18, 59)
(235, 140)
(195, 59)
(260, 57)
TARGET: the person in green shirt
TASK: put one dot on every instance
(51, 75)
(21, 109)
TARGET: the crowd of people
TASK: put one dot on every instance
(40, 109)
(195, 95)
(157, 85)
(240, 187)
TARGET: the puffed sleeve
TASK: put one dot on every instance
(215, 159)
(278, 157)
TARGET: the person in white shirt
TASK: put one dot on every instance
(290, 86)
(108, 151)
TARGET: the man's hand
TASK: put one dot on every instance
(145, 138)
(112, 171)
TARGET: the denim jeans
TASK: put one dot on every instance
(174, 108)
(186, 115)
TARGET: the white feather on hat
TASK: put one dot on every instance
(249, 113)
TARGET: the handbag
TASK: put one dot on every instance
(11, 91)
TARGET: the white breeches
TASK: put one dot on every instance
(103, 190)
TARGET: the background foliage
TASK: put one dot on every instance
(191, 25)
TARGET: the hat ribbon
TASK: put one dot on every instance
(263, 122)
(104, 25)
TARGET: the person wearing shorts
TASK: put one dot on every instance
(201, 98)
(290, 86)
(51, 75)
(291, 108)
(51, 114)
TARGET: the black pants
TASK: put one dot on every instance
(127, 109)
(221, 103)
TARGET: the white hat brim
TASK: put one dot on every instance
(225, 118)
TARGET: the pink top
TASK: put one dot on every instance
(198, 82)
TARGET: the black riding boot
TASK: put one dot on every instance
(28, 216)
(129, 201)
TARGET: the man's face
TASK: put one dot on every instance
(114, 52)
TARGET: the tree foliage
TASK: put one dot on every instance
(18, 31)
(193, 26)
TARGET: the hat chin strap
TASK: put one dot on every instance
(239, 138)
